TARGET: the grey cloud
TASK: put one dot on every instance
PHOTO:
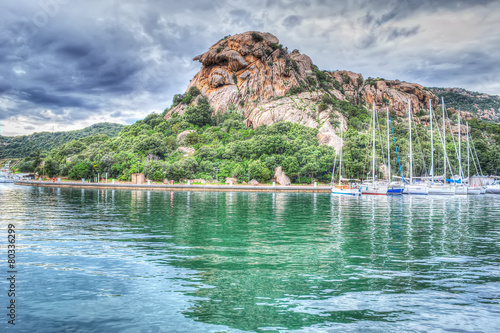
(292, 21)
(29, 128)
(395, 33)
(96, 56)
(41, 97)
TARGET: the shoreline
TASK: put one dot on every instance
(164, 187)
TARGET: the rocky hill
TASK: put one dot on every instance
(484, 106)
(254, 74)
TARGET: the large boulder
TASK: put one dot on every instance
(281, 178)
(230, 180)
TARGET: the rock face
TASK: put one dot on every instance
(254, 74)
(230, 180)
(394, 94)
(281, 178)
(186, 150)
(181, 136)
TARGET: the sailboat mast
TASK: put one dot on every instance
(373, 154)
(388, 150)
(444, 141)
(411, 158)
(432, 143)
(468, 160)
(341, 144)
(459, 147)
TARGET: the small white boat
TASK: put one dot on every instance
(493, 188)
(4, 179)
(5, 174)
(346, 190)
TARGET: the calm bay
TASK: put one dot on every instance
(139, 261)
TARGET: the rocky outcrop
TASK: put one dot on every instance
(253, 182)
(280, 177)
(181, 136)
(384, 93)
(246, 70)
(230, 180)
(253, 73)
(186, 150)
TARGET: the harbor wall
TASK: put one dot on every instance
(207, 188)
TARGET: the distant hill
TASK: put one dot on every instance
(23, 146)
(486, 107)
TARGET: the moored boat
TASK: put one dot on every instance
(417, 189)
(346, 190)
(441, 189)
(493, 188)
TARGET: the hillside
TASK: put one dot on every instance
(23, 146)
(255, 106)
(485, 106)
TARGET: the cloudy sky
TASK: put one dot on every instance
(66, 64)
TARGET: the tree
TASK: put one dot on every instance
(199, 115)
(81, 170)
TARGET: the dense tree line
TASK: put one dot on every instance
(44, 142)
(221, 145)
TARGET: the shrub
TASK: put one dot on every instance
(81, 170)
(257, 37)
(194, 91)
(199, 115)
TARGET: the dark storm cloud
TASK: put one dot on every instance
(292, 21)
(403, 32)
(68, 61)
(41, 97)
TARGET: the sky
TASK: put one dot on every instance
(67, 64)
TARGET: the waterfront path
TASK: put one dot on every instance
(180, 187)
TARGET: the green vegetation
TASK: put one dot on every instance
(44, 142)
(223, 141)
(467, 100)
(257, 37)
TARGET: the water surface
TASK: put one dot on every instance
(132, 261)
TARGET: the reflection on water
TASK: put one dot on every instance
(122, 261)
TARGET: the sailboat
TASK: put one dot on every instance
(439, 188)
(393, 188)
(412, 188)
(470, 189)
(343, 189)
(375, 188)
(493, 188)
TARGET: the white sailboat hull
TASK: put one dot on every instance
(461, 190)
(474, 190)
(441, 189)
(493, 189)
(417, 189)
(346, 191)
(374, 189)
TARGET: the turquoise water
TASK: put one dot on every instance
(132, 261)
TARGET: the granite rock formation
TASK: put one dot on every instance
(254, 74)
